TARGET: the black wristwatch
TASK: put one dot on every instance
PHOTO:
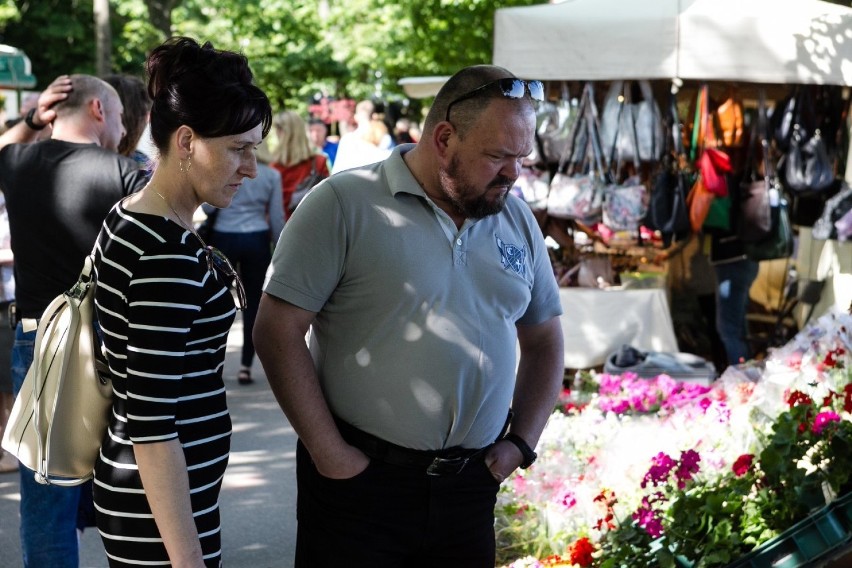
(29, 121)
(526, 451)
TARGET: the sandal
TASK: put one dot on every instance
(244, 377)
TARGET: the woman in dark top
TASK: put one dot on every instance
(165, 308)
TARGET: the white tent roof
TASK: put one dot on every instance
(422, 87)
(762, 41)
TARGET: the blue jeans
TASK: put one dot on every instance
(48, 513)
(250, 253)
(733, 281)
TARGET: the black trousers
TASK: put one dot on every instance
(390, 516)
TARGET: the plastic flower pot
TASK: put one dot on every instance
(842, 509)
(805, 542)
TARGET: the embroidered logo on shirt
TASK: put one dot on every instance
(512, 256)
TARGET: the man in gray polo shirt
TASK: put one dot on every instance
(419, 276)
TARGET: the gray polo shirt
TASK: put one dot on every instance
(415, 338)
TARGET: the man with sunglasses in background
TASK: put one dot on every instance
(419, 276)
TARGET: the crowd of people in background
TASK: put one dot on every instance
(169, 287)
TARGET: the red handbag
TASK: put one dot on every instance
(712, 164)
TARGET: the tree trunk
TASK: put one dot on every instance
(103, 38)
(160, 12)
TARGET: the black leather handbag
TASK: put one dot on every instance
(807, 166)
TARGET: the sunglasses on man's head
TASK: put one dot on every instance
(218, 262)
(511, 89)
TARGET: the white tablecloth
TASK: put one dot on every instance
(596, 323)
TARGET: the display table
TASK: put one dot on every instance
(596, 323)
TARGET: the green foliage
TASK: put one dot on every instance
(382, 41)
(55, 44)
(629, 546)
(717, 521)
(297, 49)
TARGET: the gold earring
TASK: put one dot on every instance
(189, 162)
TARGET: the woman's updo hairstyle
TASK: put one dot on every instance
(207, 89)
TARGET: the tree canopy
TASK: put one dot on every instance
(298, 49)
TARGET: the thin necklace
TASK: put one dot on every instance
(180, 220)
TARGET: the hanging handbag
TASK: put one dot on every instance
(630, 113)
(755, 215)
(533, 186)
(699, 201)
(807, 166)
(624, 205)
(779, 242)
(575, 197)
(835, 208)
(729, 115)
(555, 126)
(577, 194)
(712, 165)
(649, 125)
(61, 413)
(783, 118)
(667, 211)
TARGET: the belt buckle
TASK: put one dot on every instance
(447, 466)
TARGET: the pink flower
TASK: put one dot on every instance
(650, 521)
(823, 419)
(569, 499)
(659, 471)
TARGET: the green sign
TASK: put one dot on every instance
(15, 69)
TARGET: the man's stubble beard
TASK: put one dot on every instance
(456, 189)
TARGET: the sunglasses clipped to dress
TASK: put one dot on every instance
(511, 89)
(217, 262)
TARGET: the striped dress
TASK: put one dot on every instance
(165, 319)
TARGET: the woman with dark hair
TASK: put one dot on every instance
(165, 308)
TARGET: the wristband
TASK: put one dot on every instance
(526, 451)
(28, 119)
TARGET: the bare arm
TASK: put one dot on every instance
(279, 338)
(21, 133)
(162, 467)
(539, 381)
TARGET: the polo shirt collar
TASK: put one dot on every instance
(400, 179)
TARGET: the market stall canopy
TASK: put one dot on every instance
(422, 87)
(761, 41)
(15, 69)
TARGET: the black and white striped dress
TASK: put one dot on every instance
(165, 319)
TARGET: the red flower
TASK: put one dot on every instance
(847, 398)
(580, 553)
(607, 498)
(798, 397)
(743, 464)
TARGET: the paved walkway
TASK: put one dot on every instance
(258, 498)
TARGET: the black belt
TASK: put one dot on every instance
(450, 461)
